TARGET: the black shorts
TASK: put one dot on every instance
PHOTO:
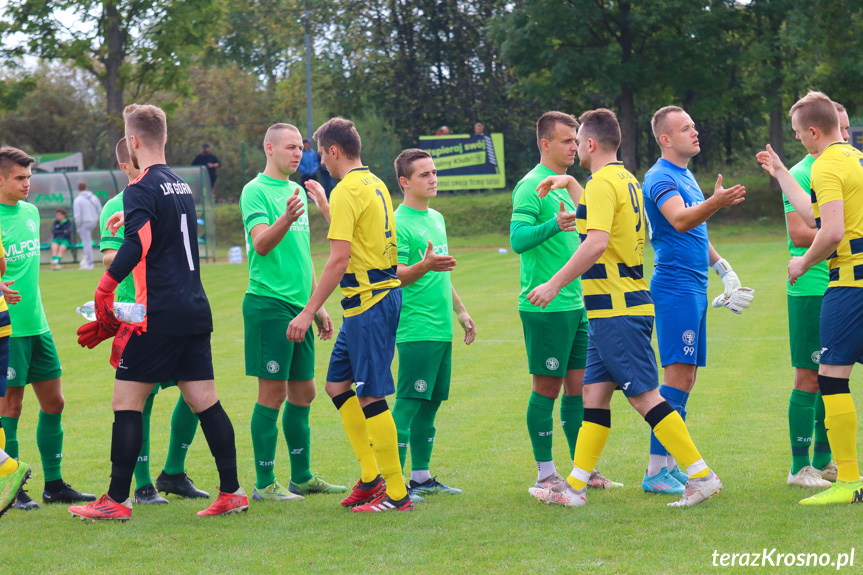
(155, 357)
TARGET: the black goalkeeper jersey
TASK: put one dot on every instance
(160, 250)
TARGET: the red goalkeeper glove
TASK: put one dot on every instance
(124, 334)
(106, 325)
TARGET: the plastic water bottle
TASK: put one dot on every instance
(125, 311)
(235, 255)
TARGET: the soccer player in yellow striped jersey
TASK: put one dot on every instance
(609, 260)
(837, 192)
(363, 260)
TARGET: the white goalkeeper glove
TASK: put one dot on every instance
(735, 297)
(739, 300)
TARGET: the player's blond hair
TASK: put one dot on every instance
(547, 122)
(274, 131)
(10, 156)
(601, 125)
(659, 122)
(342, 133)
(147, 122)
(815, 109)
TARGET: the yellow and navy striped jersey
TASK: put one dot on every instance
(5, 320)
(837, 174)
(615, 286)
(361, 212)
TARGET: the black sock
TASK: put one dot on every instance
(219, 432)
(127, 438)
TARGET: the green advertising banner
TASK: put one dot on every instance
(467, 161)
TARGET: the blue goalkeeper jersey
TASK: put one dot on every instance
(680, 259)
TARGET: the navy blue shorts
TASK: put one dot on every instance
(842, 326)
(365, 346)
(619, 350)
(681, 326)
(4, 363)
(155, 358)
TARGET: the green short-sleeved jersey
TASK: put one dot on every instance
(126, 290)
(20, 228)
(814, 281)
(426, 303)
(286, 272)
(540, 263)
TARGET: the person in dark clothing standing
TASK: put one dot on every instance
(62, 231)
(208, 158)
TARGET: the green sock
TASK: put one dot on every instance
(422, 435)
(404, 412)
(49, 440)
(184, 424)
(821, 452)
(55, 259)
(265, 435)
(10, 424)
(571, 415)
(142, 468)
(540, 425)
(298, 434)
(800, 423)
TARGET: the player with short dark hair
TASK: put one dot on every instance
(184, 423)
(837, 209)
(542, 232)
(32, 353)
(424, 337)
(677, 214)
(363, 259)
(174, 341)
(610, 261)
(281, 279)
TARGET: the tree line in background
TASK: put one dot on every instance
(225, 70)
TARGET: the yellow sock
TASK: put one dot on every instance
(8, 467)
(672, 434)
(354, 423)
(382, 430)
(840, 418)
(588, 447)
(2, 438)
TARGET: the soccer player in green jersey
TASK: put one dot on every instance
(424, 337)
(281, 279)
(363, 261)
(32, 354)
(543, 233)
(184, 423)
(806, 406)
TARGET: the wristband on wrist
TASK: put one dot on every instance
(721, 267)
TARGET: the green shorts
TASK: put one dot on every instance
(32, 358)
(804, 317)
(269, 354)
(60, 242)
(424, 370)
(166, 385)
(556, 341)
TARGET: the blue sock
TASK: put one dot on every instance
(677, 399)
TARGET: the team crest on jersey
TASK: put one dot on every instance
(816, 356)
(31, 225)
(552, 363)
(420, 386)
(689, 337)
(273, 367)
(10, 373)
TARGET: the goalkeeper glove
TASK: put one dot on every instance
(106, 325)
(729, 279)
(739, 300)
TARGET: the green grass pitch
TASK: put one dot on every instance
(737, 416)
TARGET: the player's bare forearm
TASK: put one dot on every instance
(410, 274)
(2, 265)
(333, 272)
(265, 238)
(799, 198)
(108, 257)
(587, 254)
(827, 239)
(801, 235)
(712, 255)
(457, 305)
